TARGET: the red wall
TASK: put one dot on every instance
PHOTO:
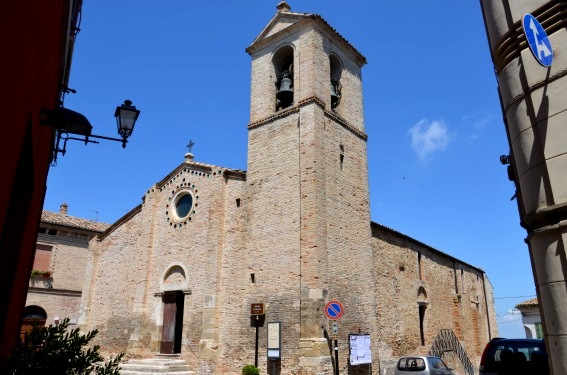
(32, 38)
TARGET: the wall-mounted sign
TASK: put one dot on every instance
(359, 346)
(257, 309)
(274, 340)
(537, 40)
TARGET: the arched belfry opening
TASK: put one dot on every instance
(335, 84)
(283, 67)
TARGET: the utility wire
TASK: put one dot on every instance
(533, 295)
(509, 321)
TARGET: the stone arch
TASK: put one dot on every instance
(34, 312)
(174, 278)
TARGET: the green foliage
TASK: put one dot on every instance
(250, 370)
(38, 273)
(54, 350)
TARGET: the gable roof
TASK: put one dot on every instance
(72, 222)
(291, 19)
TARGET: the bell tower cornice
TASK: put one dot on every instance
(303, 103)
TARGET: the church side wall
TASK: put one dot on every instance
(453, 299)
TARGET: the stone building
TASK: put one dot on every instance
(178, 274)
(56, 283)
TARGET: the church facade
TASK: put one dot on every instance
(178, 274)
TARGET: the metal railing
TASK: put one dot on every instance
(447, 341)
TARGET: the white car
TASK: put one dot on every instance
(416, 365)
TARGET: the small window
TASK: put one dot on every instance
(419, 269)
(342, 156)
(42, 258)
(237, 202)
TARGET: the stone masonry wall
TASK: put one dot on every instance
(454, 299)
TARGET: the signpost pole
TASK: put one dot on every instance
(256, 350)
(336, 357)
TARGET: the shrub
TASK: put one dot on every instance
(250, 370)
(54, 350)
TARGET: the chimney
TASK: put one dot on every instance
(63, 209)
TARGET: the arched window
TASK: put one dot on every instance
(283, 67)
(422, 306)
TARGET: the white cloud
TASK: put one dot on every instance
(428, 138)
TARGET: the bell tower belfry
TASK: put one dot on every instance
(308, 237)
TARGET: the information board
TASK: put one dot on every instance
(360, 353)
(274, 340)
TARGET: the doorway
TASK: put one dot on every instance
(172, 328)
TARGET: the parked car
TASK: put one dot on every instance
(416, 365)
(514, 356)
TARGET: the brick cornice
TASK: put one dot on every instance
(302, 103)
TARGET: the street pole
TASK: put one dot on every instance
(336, 357)
(256, 350)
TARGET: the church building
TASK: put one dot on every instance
(281, 265)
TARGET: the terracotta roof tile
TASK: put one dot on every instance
(72, 221)
(529, 303)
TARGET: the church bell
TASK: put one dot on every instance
(285, 91)
(335, 93)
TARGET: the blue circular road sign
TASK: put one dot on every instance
(537, 39)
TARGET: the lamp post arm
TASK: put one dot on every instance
(123, 140)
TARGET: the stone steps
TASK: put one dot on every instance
(156, 366)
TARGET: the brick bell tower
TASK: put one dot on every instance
(308, 235)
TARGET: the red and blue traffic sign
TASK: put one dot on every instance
(334, 310)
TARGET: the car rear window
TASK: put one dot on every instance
(411, 364)
(524, 355)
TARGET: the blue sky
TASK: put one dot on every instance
(431, 111)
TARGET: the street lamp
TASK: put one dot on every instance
(126, 116)
(66, 122)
